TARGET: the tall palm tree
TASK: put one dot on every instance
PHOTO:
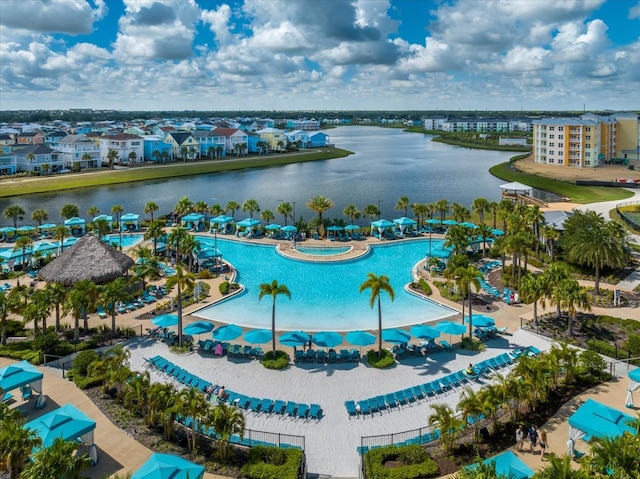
(57, 460)
(216, 210)
(191, 403)
(8, 302)
(110, 294)
(472, 405)
(154, 232)
(82, 297)
(176, 239)
(403, 204)
(494, 207)
(442, 207)
(117, 210)
(467, 278)
(183, 207)
(550, 237)
(16, 444)
(533, 288)
(266, 216)
(37, 310)
(184, 281)
(60, 232)
(285, 210)
(40, 215)
(484, 231)
(444, 419)
(274, 290)
(371, 210)
(480, 206)
(101, 227)
(112, 156)
(23, 243)
(227, 421)
(93, 211)
(150, 208)
(203, 208)
(377, 285)
(69, 211)
(460, 212)
(15, 213)
(352, 212)
(232, 207)
(457, 237)
(56, 294)
(561, 468)
(250, 206)
(420, 210)
(319, 204)
(569, 295)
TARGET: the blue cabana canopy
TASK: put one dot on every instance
(248, 222)
(193, 221)
(167, 466)
(508, 465)
(221, 219)
(131, 221)
(381, 225)
(594, 419)
(68, 423)
(76, 225)
(634, 383)
(22, 374)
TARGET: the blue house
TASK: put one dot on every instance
(252, 142)
(155, 149)
(318, 139)
(212, 143)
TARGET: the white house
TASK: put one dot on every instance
(130, 148)
(79, 151)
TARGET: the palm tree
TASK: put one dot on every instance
(378, 284)
(132, 157)
(110, 294)
(176, 239)
(372, 211)
(285, 210)
(114, 370)
(216, 210)
(150, 208)
(274, 290)
(56, 294)
(112, 155)
(420, 210)
(444, 419)
(561, 468)
(82, 297)
(484, 231)
(442, 207)
(57, 460)
(40, 215)
(101, 227)
(472, 405)
(183, 206)
(550, 237)
(203, 208)
(251, 206)
(155, 155)
(8, 302)
(93, 211)
(69, 211)
(184, 281)
(184, 152)
(533, 289)
(614, 456)
(319, 204)
(15, 213)
(23, 243)
(457, 237)
(494, 207)
(16, 444)
(232, 207)
(569, 295)
(466, 278)
(191, 403)
(403, 204)
(266, 216)
(37, 310)
(154, 232)
(460, 212)
(352, 212)
(480, 206)
(117, 210)
(227, 421)
(60, 232)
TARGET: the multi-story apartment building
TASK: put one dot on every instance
(587, 141)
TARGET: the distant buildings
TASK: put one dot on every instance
(587, 141)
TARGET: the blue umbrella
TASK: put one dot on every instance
(327, 339)
(48, 226)
(165, 320)
(360, 338)
(289, 228)
(228, 332)
(199, 327)
(352, 227)
(395, 336)
(294, 338)
(28, 229)
(497, 232)
(481, 321)
(433, 221)
(468, 225)
(273, 227)
(167, 466)
(423, 331)
(449, 222)
(258, 336)
(7, 229)
(449, 327)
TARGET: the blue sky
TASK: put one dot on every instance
(320, 54)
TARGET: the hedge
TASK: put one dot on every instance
(273, 463)
(417, 463)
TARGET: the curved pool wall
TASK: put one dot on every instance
(323, 250)
(324, 295)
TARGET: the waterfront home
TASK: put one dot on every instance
(7, 165)
(79, 151)
(212, 144)
(128, 147)
(156, 149)
(33, 137)
(307, 139)
(183, 145)
(7, 142)
(52, 138)
(274, 137)
(38, 159)
(233, 137)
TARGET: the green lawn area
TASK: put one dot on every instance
(29, 185)
(578, 194)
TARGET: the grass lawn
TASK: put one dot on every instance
(28, 185)
(579, 194)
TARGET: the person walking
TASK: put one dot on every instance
(520, 438)
(533, 438)
(543, 444)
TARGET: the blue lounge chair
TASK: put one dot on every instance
(382, 404)
(279, 407)
(266, 406)
(310, 355)
(351, 408)
(333, 357)
(303, 411)
(299, 355)
(390, 400)
(344, 355)
(315, 412)
(417, 392)
(373, 405)
(291, 408)
(445, 345)
(355, 355)
(364, 407)
(401, 398)
(101, 312)
(254, 405)
(321, 356)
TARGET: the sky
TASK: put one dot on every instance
(320, 54)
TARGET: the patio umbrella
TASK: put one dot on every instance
(450, 328)
(199, 327)
(294, 338)
(289, 228)
(273, 227)
(433, 221)
(228, 332)
(423, 331)
(449, 222)
(327, 339)
(395, 336)
(497, 232)
(360, 338)
(351, 227)
(258, 336)
(335, 228)
(167, 466)
(165, 320)
(469, 225)
(48, 226)
(481, 321)
(27, 229)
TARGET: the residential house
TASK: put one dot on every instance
(156, 149)
(318, 139)
(183, 145)
(212, 144)
(7, 164)
(252, 142)
(234, 137)
(79, 151)
(33, 137)
(128, 147)
(247, 125)
(274, 137)
(38, 159)
(52, 138)
(7, 142)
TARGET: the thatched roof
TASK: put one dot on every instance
(90, 259)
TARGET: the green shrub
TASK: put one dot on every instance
(206, 274)
(272, 463)
(84, 382)
(15, 328)
(83, 360)
(610, 350)
(280, 361)
(224, 287)
(424, 286)
(633, 344)
(593, 363)
(471, 344)
(420, 465)
(385, 360)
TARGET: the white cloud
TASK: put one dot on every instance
(218, 21)
(634, 12)
(54, 16)
(573, 44)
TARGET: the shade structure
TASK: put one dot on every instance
(249, 222)
(449, 223)
(634, 383)
(7, 229)
(351, 227)
(14, 253)
(199, 327)
(327, 339)
(480, 321)
(228, 332)
(27, 229)
(289, 229)
(273, 227)
(449, 327)
(433, 221)
(165, 320)
(382, 224)
(167, 466)
(66, 422)
(89, 259)
(594, 419)
(467, 224)
(516, 187)
(22, 374)
(48, 226)
(258, 336)
(508, 465)
(423, 331)
(360, 338)
(497, 232)
(294, 338)
(221, 219)
(45, 246)
(395, 336)
(335, 228)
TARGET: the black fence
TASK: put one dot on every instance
(627, 219)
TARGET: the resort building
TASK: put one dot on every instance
(79, 151)
(212, 144)
(587, 141)
(128, 147)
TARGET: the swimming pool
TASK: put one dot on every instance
(127, 240)
(324, 296)
(322, 251)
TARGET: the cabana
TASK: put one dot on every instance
(161, 466)
(107, 218)
(513, 189)
(249, 225)
(208, 257)
(130, 221)
(405, 222)
(381, 225)
(508, 465)
(6, 230)
(66, 422)
(594, 419)
(634, 383)
(222, 223)
(25, 376)
(193, 221)
(76, 225)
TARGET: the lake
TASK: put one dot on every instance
(387, 164)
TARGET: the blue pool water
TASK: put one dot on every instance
(323, 251)
(324, 296)
(127, 240)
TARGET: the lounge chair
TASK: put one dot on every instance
(363, 407)
(355, 355)
(333, 357)
(391, 401)
(291, 408)
(344, 355)
(299, 355)
(321, 356)
(279, 407)
(445, 345)
(254, 405)
(373, 405)
(266, 406)
(310, 355)
(303, 411)
(351, 408)
(315, 411)
(382, 404)
(101, 312)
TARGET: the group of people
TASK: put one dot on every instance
(536, 438)
(216, 394)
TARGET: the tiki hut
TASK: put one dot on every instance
(89, 259)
